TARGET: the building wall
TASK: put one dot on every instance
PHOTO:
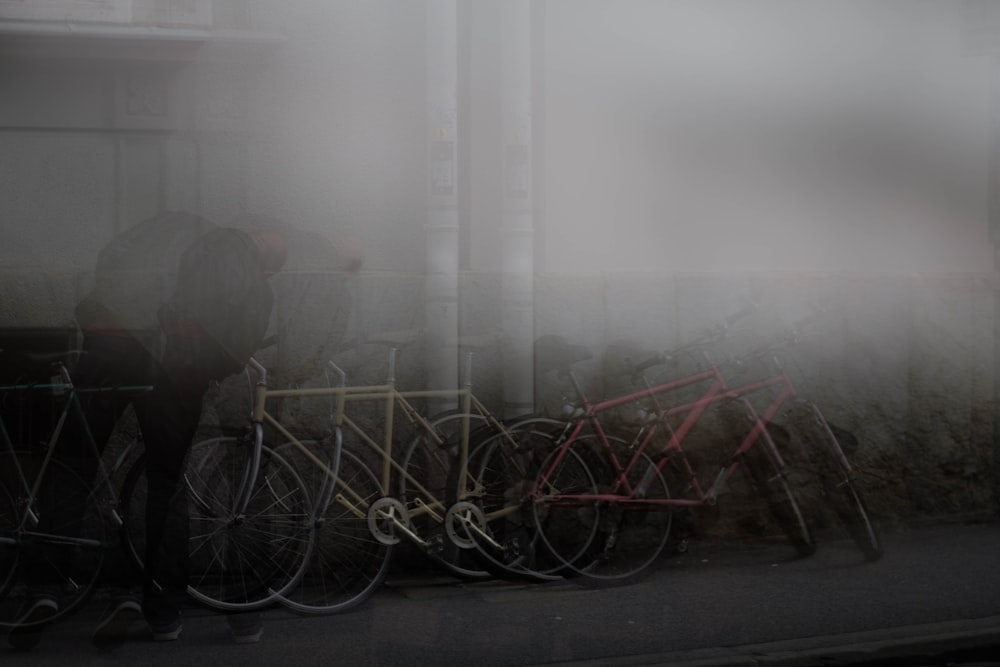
(660, 214)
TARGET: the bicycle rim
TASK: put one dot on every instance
(347, 564)
(63, 554)
(432, 479)
(847, 503)
(567, 528)
(853, 512)
(836, 481)
(236, 563)
(241, 562)
(508, 543)
(632, 536)
(785, 508)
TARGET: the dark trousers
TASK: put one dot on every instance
(173, 414)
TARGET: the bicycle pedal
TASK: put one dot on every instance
(435, 545)
(512, 548)
(611, 542)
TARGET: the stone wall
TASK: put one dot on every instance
(904, 362)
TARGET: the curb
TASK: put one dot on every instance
(967, 640)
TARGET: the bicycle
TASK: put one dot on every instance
(65, 523)
(819, 444)
(94, 516)
(360, 514)
(600, 504)
(249, 520)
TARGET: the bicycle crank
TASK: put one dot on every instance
(461, 520)
(387, 519)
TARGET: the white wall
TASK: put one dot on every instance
(773, 135)
(341, 126)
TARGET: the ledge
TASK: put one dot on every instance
(37, 39)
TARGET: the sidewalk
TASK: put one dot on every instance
(934, 600)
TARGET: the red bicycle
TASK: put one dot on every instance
(599, 504)
(820, 446)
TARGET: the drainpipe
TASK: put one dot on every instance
(518, 263)
(994, 223)
(441, 281)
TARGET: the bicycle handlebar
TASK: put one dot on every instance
(341, 374)
(259, 370)
(711, 335)
(790, 337)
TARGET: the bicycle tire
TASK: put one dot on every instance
(347, 564)
(769, 481)
(434, 467)
(632, 535)
(68, 545)
(567, 531)
(842, 494)
(509, 544)
(237, 562)
(849, 505)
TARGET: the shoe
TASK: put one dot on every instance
(167, 632)
(116, 624)
(245, 628)
(163, 616)
(31, 622)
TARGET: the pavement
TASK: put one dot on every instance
(932, 601)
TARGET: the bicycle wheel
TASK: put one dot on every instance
(848, 504)
(347, 564)
(567, 526)
(634, 529)
(62, 554)
(8, 547)
(839, 489)
(238, 561)
(431, 480)
(507, 539)
(769, 481)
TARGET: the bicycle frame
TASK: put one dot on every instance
(66, 521)
(393, 400)
(786, 391)
(62, 383)
(625, 494)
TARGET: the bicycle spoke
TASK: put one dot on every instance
(432, 478)
(347, 564)
(61, 556)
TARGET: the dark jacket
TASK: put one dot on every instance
(222, 295)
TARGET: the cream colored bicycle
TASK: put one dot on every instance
(370, 494)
